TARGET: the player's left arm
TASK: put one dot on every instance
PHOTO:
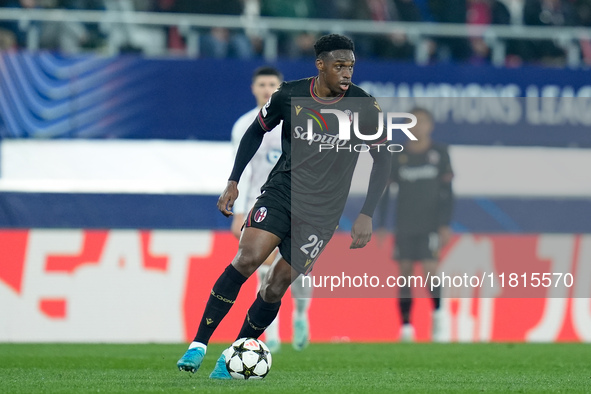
(382, 208)
(446, 198)
(380, 172)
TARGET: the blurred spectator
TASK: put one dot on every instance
(335, 9)
(132, 37)
(303, 45)
(222, 42)
(292, 44)
(7, 39)
(486, 12)
(218, 42)
(287, 8)
(394, 45)
(547, 13)
(424, 9)
(398, 46)
(583, 10)
(72, 36)
(451, 11)
(175, 41)
(145, 5)
(10, 32)
(408, 10)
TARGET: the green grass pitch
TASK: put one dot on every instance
(337, 368)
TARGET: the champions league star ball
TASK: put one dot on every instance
(248, 358)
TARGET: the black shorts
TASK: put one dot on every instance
(417, 247)
(301, 243)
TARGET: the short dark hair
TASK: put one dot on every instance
(267, 70)
(332, 42)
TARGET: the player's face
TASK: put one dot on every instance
(424, 126)
(336, 68)
(263, 87)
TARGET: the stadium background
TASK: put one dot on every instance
(111, 166)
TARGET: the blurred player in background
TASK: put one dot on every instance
(265, 81)
(424, 207)
(292, 213)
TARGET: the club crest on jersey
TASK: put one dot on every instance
(260, 215)
(349, 113)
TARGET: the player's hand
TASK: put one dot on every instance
(361, 231)
(444, 235)
(226, 200)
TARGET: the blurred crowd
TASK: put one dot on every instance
(221, 42)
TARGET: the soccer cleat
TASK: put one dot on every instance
(301, 334)
(220, 371)
(407, 333)
(191, 360)
(274, 345)
(437, 331)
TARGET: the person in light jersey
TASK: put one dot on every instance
(265, 81)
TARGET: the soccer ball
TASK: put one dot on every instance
(248, 358)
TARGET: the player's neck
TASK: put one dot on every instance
(321, 90)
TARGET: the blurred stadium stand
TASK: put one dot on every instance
(511, 32)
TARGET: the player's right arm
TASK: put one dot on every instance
(249, 145)
(239, 209)
(383, 205)
(269, 117)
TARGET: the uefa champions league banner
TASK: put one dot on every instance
(139, 286)
(50, 96)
